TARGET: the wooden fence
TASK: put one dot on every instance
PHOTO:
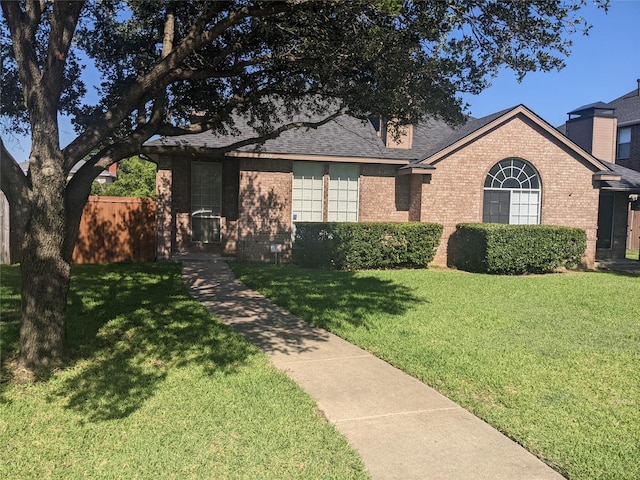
(633, 230)
(117, 229)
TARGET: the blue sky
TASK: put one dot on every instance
(603, 66)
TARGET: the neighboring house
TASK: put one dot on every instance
(8, 217)
(509, 167)
(627, 112)
(612, 128)
(611, 131)
(105, 177)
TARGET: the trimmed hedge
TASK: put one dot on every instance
(515, 249)
(354, 246)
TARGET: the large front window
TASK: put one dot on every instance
(512, 193)
(308, 191)
(206, 201)
(343, 192)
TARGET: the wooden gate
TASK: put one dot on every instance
(117, 229)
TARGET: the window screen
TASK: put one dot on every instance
(308, 191)
(206, 201)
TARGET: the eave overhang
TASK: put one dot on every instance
(606, 176)
(416, 169)
(220, 152)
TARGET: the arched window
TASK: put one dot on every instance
(512, 193)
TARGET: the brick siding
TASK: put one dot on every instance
(455, 193)
(257, 194)
(384, 197)
(264, 216)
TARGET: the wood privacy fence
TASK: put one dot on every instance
(633, 230)
(117, 229)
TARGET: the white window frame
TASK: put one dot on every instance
(623, 149)
(521, 181)
(344, 192)
(307, 198)
(206, 201)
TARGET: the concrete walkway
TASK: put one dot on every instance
(402, 428)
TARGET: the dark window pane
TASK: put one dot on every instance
(496, 206)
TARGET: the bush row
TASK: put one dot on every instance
(515, 249)
(353, 246)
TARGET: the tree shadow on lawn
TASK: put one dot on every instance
(127, 326)
(328, 298)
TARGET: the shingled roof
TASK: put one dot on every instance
(628, 107)
(349, 137)
(346, 136)
(629, 179)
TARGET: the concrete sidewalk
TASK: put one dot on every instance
(401, 428)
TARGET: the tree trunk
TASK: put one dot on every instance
(45, 275)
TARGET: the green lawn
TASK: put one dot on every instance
(632, 254)
(551, 360)
(157, 389)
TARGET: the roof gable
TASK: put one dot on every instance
(478, 127)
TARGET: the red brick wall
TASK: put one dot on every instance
(258, 193)
(455, 193)
(173, 189)
(264, 216)
(384, 197)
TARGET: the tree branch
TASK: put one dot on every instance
(159, 76)
(63, 24)
(22, 28)
(170, 130)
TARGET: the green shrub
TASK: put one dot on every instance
(354, 246)
(515, 249)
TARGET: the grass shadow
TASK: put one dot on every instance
(328, 298)
(127, 326)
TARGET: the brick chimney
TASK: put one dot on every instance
(404, 140)
(405, 137)
(594, 128)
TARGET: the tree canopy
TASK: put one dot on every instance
(136, 178)
(161, 64)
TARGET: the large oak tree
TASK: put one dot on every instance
(159, 61)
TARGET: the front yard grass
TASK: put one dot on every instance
(633, 254)
(550, 360)
(157, 388)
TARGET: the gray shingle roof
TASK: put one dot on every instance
(345, 136)
(629, 181)
(628, 107)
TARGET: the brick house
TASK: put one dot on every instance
(611, 131)
(509, 167)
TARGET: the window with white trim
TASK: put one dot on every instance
(343, 192)
(624, 142)
(206, 201)
(512, 193)
(308, 191)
